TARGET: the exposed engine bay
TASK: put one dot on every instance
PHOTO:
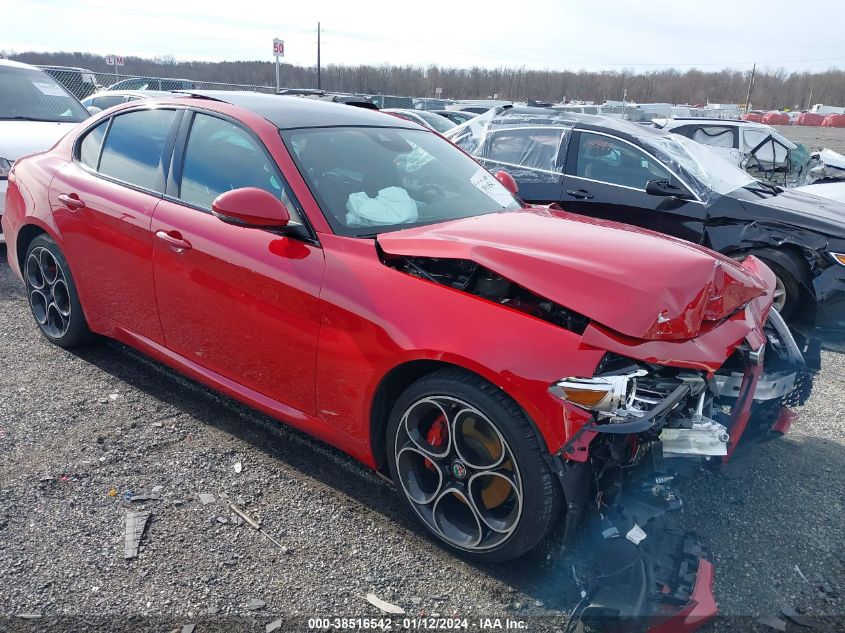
(468, 276)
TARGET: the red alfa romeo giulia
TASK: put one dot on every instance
(364, 280)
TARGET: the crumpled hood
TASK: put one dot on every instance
(19, 138)
(636, 282)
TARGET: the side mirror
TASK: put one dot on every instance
(92, 109)
(508, 181)
(666, 189)
(251, 207)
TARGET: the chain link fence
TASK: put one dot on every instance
(83, 83)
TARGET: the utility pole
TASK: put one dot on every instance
(750, 86)
(810, 99)
(319, 83)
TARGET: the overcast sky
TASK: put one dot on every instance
(575, 34)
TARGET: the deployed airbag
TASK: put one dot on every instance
(392, 205)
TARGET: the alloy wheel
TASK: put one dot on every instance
(458, 473)
(779, 296)
(48, 292)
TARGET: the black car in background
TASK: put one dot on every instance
(617, 170)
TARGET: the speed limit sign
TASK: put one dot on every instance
(278, 47)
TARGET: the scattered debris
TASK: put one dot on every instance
(238, 467)
(253, 523)
(112, 492)
(255, 604)
(222, 520)
(384, 606)
(796, 617)
(143, 497)
(206, 498)
(275, 625)
(136, 524)
(803, 577)
(157, 489)
(28, 616)
(212, 611)
(189, 628)
(158, 425)
(772, 622)
(114, 396)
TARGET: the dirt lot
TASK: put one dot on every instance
(815, 138)
(75, 427)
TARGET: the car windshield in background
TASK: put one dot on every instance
(439, 123)
(27, 94)
(372, 180)
(706, 171)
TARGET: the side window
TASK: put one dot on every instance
(615, 162)
(133, 148)
(715, 135)
(89, 148)
(535, 148)
(107, 102)
(221, 156)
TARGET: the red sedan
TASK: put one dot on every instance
(366, 281)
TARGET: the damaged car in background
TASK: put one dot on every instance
(513, 369)
(760, 150)
(616, 170)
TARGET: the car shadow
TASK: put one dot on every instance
(538, 574)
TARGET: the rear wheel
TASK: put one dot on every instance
(52, 296)
(470, 466)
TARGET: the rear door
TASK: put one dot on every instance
(606, 177)
(103, 202)
(240, 302)
(533, 155)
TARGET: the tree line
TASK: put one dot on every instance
(773, 88)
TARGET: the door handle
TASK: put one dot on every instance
(71, 201)
(581, 194)
(174, 238)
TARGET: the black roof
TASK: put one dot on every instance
(590, 121)
(295, 112)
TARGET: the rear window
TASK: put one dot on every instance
(133, 148)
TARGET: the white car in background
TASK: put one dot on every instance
(759, 149)
(35, 112)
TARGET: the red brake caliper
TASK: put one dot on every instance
(436, 436)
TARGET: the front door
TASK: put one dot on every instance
(241, 302)
(606, 177)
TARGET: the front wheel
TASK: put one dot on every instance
(469, 465)
(52, 296)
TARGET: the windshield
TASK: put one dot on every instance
(372, 180)
(439, 123)
(29, 94)
(707, 172)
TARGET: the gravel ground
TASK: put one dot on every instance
(76, 426)
(815, 138)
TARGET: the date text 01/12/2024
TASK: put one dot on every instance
(416, 623)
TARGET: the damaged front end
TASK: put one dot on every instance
(650, 426)
(693, 362)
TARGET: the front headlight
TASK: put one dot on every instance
(839, 257)
(5, 167)
(604, 394)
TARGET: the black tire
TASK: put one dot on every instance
(54, 304)
(532, 493)
(787, 283)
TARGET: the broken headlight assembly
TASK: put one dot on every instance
(604, 395)
(839, 257)
(675, 406)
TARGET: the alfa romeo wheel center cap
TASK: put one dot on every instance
(459, 470)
